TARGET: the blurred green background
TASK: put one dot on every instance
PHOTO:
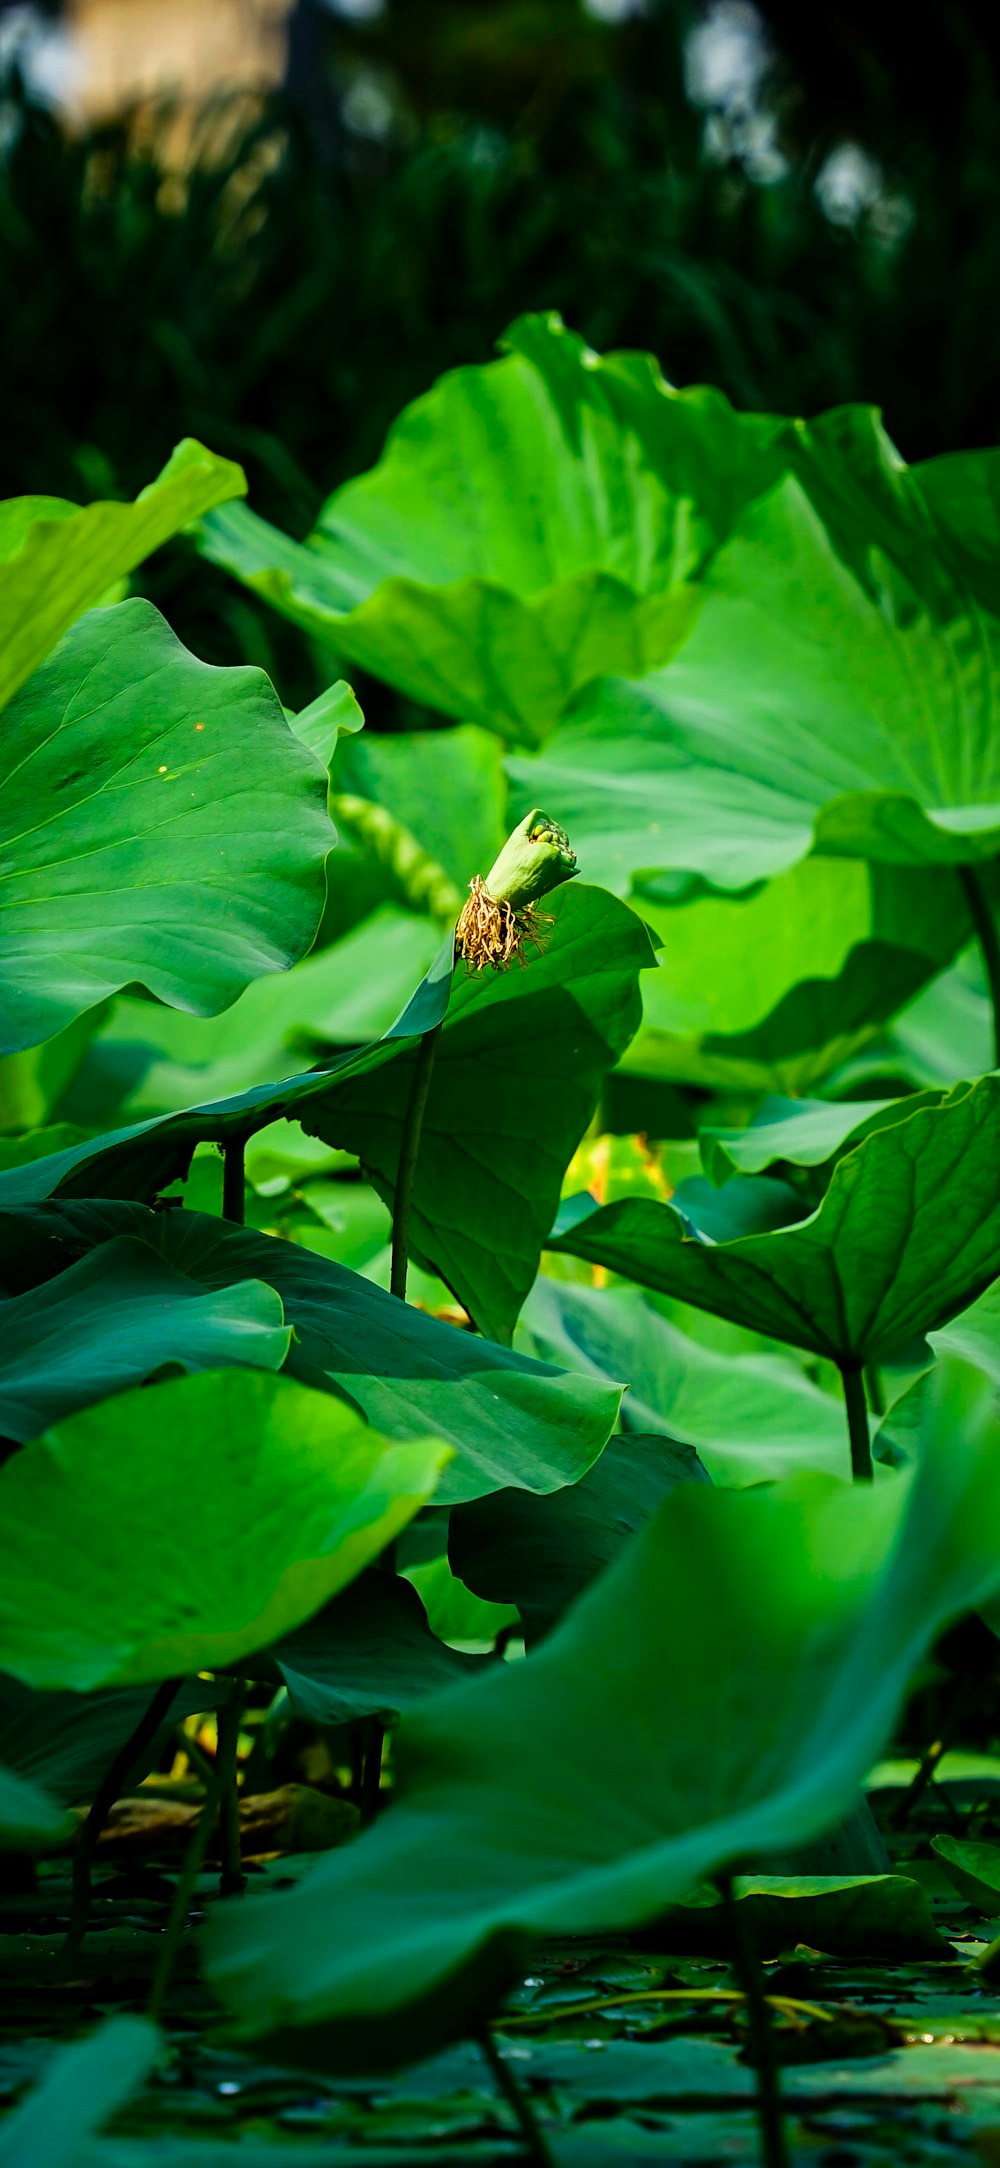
(801, 205)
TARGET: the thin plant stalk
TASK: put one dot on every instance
(774, 2151)
(234, 1180)
(853, 1381)
(790, 2006)
(409, 1152)
(930, 1762)
(104, 1798)
(983, 918)
(536, 2146)
(232, 1879)
(193, 1858)
(371, 1775)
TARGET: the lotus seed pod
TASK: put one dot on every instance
(500, 919)
(535, 858)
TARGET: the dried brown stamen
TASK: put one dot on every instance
(492, 933)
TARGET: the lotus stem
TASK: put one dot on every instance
(232, 1880)
(536, 2146)
(409, 1153)
(371, 1776)
(194, 1856)
(984, 920)
(774, 2151)
(104, 1798)
(495, 925)
(234, 1180)
(853, 1381)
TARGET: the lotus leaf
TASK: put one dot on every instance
(907, 1234)
(59, 561)
(181, 1527)
(160, 822)
(801, 1608)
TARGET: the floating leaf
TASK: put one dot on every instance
(113, 1318)
(59, 561)
(160, 823)
(907, 1233)
(181, 1529)
(584, 1790)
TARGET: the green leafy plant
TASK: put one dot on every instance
(340, 1487)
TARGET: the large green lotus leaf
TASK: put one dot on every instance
(512, 1421)
(839, 687)
(29, 1820)
(518, 1071)
(885, 1916)
(776, 990)
(515, 1084)
(33, 1082)
(750, 1417)
(800, 1133)
(584, 1790)
(146, 1060)
(83, 2087)
(371, 1652)
(57, 561)
(974, 1868)
(161, 823)
(65, 1743)
(454, 1613)
(334, 714)
(180, 1527)
(974, 1334)
(541, 1553)
(113, 1318)
(907, 1234)
(446, 786)
(530, 525)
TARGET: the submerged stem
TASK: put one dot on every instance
(853, 1381)
(983, 918)
(774, 2151)
(409, 1151)
(104, 1798)
(535, 2143)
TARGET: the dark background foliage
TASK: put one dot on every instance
(824, 227)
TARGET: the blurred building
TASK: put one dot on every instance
(121, 52)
